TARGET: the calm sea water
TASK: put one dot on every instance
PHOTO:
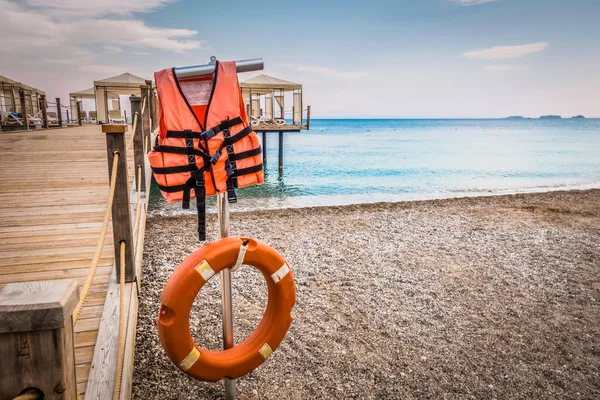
(346, 161)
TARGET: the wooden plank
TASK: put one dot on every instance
(55, 235)
(101, 379)
(129, 355)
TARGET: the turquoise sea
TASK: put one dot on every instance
(348, 161)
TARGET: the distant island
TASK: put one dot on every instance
(551, 116)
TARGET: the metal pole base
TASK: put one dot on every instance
(226, 300)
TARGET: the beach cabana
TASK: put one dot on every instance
(10, 97)
(269, 92)
(124, 84)
(88, 94)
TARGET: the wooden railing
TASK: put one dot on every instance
(37, 319)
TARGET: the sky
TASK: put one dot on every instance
(355, 59)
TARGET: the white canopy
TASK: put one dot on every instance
(88, 94)
(263, 84)
(125, 84)
(84, 94)
(266, 89)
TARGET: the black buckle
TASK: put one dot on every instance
(191, 159)
(215, 157)
(189, 142)
(211, 133)
(230, 168)
(231, 196)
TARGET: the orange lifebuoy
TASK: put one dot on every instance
(186, 282)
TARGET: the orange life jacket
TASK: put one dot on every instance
(205, 145)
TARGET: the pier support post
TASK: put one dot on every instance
(280, 152)
(151, 105)
(307, 117)
(44, 107)
(79, 121)
(145, 121)
(121, 215)
(59, 112)
(138, 140)
(36, 339)
(264, 146)
(24, 108)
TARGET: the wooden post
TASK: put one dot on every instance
(44, 106)
(152, 105)
(307, 117)
(153, 95)
(264, 146)
(145, 121)
(14, 99)
(121, 215)
(24, 108)
(68, 119)
(59, 112)
(280, 152)
(79, 120)
(138, 141)
(36, 338)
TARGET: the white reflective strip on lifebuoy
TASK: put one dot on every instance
(240, 259)
(280, 273)
(205, 270)
(190, 359)
(266, 350)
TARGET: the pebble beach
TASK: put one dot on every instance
(481, 297)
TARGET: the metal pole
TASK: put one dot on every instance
(281, 152)
(254, 64)
(226, 300)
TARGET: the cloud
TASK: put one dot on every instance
(64, 35)
(102, 69)
(505, 52)
(113, 49)
(131, 33)
(499, 67)
(79, 8)
(471, 2)
(141, 53)
(324, 71)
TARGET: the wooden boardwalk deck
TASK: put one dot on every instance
(53, 194)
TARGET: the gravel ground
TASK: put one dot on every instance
(492, 297)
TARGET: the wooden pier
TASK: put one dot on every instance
(264, 128)
(54, 188)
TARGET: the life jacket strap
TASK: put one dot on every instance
(182, 150)
(195, 183)
(246, 171)
(207, 134)
(231, 185)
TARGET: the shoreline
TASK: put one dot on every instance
(442, 200)
(475, 297)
